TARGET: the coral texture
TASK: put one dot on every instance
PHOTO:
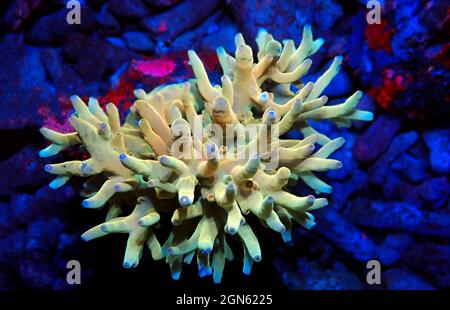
(156, 163)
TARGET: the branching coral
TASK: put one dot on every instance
(175, 154)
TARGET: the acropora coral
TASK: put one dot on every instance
(156, 165)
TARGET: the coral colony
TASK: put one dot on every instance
(209, 157)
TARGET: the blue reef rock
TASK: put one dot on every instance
(343, 234)
(438, 141)
(393, 247)
(435, 192)
(431, 260)
(356, 183)
(310, 275)
(376, 139)
(139, 41)
(410, 168)
(399, 145)
(400, 216)
(401, 279)
(394, 188)
(129, 8)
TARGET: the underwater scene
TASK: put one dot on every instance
(251, 144)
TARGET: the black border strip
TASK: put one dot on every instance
(107, 299)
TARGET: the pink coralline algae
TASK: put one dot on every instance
(155, 67)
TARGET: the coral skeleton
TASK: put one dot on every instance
(210, 188)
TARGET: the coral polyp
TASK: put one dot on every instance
(209, 156)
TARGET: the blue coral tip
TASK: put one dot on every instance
(206, 251)
(48, 167)
(272, 114)
(286, 235)
(247, 269)
(231, 231)
(122, 156)
(212, 147)
(126, 265)
(85, 203)
(257, 258)
(176, 275)
(231, 188)
(264, 97)
(104, 228)
(202, 272)
(164, 160)
(262, 30)
(184, 200)
(117, 187)
(205, 271)
(84, 167)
